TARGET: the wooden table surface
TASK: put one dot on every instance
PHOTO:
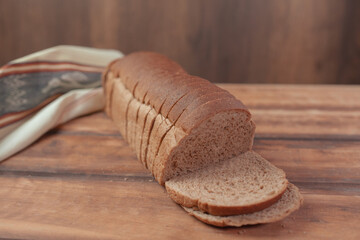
(82, 181)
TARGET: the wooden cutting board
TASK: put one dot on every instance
(82, 181)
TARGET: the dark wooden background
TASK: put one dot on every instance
(254, 41)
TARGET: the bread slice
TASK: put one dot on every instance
(149, 124)
(289, 202)
(161, 125)
(244, 184)
(140, 125)
(196, 102)
(132, 110)
(108, 86)
(120, 97)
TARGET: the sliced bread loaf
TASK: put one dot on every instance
(289, 202)
(223, 129)
(194, 137)
(244, 184)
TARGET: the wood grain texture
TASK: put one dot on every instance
(252, 41)
(82, 181)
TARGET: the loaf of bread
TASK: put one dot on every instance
(194, 137)
(175, 122)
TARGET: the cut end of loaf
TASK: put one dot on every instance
(244, 184)
(222, 136)
(289, 202)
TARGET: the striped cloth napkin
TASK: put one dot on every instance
(47, 88)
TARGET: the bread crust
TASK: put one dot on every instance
(209, 109)
(191, 97)
(155, 75)
(180, 91)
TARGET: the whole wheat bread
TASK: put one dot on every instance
(289, 202)
(203, 124)
(194, 137)
(244, 184)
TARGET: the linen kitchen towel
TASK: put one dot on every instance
(47, 88)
